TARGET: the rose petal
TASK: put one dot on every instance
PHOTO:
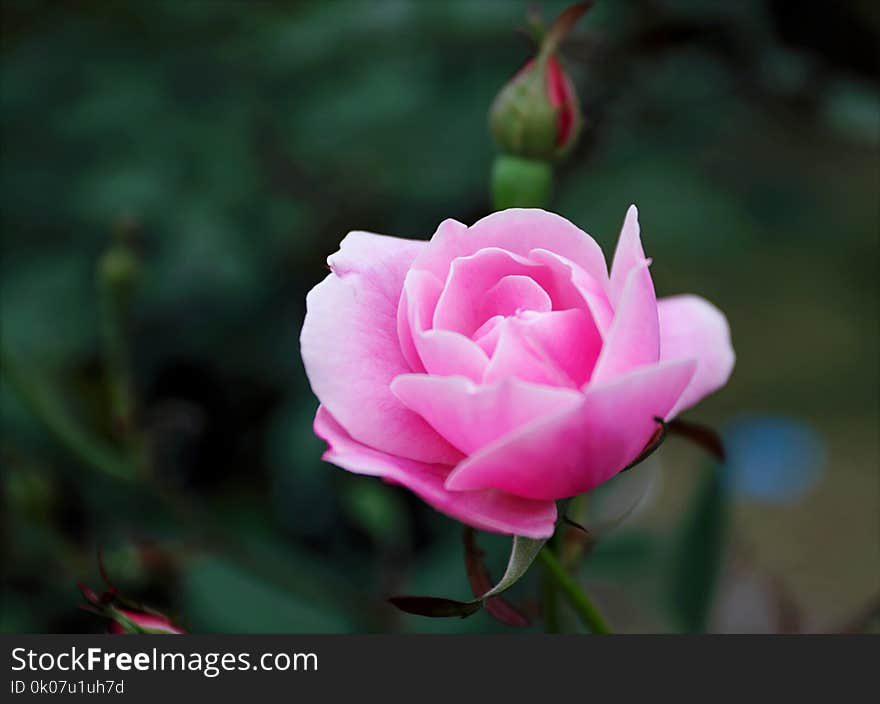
(512, 294)
(569, 276)
(415, 309)
(489, 509)
(517, 230)
(576, 449)
(516, 357)
(469, 282)
(441, 352)
(351, 351)
(634, 337)
(447, 353)
(628, 255)
(487, 334)
(558, 348)
(471, 416)
(691, 327)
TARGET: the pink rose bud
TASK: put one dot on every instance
(126, 622)
(564, 99)
(536, 115)
(534, 120)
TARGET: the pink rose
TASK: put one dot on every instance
(499, 367)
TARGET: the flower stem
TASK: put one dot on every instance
(580, 602)
(517, 182)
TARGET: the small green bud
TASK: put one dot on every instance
(537, 114)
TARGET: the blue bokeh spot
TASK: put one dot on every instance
(772, 458)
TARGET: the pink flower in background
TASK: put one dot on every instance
(124, 620)
(499, 367)
(147, 623)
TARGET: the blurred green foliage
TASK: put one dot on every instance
(245, 139)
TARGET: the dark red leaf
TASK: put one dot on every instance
(701, 435)
(505, 612)
(563, 24)
(435, 607)
(574, 524)
(102, 569)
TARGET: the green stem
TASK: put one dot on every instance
(580, 602)
(517, 182)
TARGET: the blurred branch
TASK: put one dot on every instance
(550, 604)
(97, 456)
(48, 408)
(117, 275)
(699, 553)
(284, 576)
(865, 620)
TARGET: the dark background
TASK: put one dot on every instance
(236, 143)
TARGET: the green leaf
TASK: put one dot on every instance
(522, 555)
(699, 554)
